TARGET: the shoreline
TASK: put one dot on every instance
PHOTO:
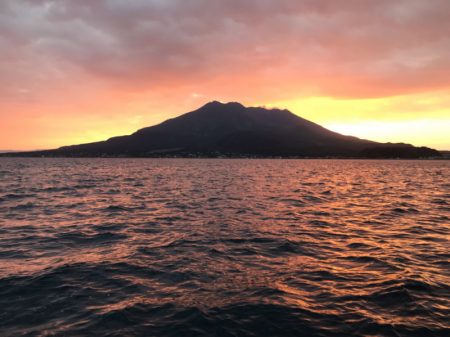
(9, 155)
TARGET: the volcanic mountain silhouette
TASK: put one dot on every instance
(232, 130)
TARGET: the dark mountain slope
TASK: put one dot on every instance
(231, 129)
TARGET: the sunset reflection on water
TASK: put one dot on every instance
(324, 247)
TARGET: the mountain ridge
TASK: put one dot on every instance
(232, 130)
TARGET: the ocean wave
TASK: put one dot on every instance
(121, 247)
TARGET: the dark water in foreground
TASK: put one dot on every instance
(155, 247)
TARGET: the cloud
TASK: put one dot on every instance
(260, 48)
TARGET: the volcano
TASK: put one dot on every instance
(233, 130)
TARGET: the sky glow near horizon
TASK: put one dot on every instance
(80, 71)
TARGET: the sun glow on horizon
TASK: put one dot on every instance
(387, 119)
(398, 131)
(419, 119)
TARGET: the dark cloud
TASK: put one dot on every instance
(347, 48)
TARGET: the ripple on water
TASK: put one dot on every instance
(126, 247)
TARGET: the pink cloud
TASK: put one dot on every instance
(269, 48)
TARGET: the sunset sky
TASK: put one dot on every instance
(75, 71)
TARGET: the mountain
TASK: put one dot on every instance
(218, 129)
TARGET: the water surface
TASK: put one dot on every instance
(177, 247)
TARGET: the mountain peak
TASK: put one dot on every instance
(215, 104)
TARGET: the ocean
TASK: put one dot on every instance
(224, 247)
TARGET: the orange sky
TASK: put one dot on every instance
(80, 71)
